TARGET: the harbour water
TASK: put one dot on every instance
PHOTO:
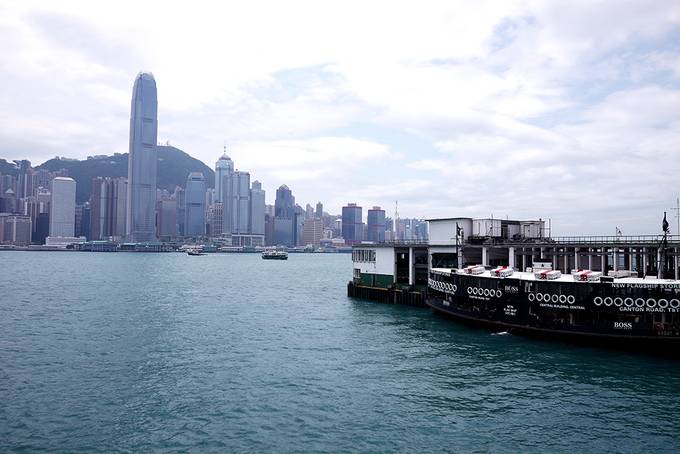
(229, 352)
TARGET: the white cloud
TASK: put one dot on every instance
(447, 106)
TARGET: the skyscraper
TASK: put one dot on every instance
(319, 210)
(216, 219)
(180, 197)
(25, 180)
(167, 219)
(195, 205)
(285, 219)
(141, 196)
(257, 203)
(240, 201)
(63, 208)
(376, 225)
(352, 226)
(284, 206)
(107, 203)
(312, 232)
(223, 166)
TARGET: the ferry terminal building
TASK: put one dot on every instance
(462, 241)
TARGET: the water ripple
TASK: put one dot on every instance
(165, 352)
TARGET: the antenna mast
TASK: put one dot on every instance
(396, 220)
(677, 214)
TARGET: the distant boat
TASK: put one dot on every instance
(195, 252)
(275, 255)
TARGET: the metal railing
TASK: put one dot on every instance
(616, 239)
(592, 240)
(394, 243)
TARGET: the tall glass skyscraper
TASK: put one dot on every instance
(195, 205)
(257, 203)
(352, 226)
(141, 196)
(376, 225)
(223, 167)
(285, 220)
(284, 205)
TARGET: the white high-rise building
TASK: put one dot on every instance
(141, 195)
(63, 207)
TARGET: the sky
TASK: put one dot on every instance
(520, 109)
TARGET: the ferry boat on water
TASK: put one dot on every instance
(584, 306)
(273, 254)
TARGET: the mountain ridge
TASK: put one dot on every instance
(174, 165)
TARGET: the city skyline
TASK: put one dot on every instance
(502, 95)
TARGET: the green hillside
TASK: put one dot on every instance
(7, 168)
(173, 167)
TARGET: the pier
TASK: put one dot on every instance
(384, 271)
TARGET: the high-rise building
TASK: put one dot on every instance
(319, 210)
(167, 219)
(389, 229)
(42, 228)
(25, 180)
(15, 229)
(107, 208)
(234, 195)
(36, 205)
(269, 229)
(376, 225)
(352, 225)
(240, 202)
(41, 179)
(8, 202)
(141, 196)
(195, 205)
(83, 228)
(243, 207)
(297, 225)
(284, 232)
(63, 207)
(223, 167)
(180, 197)
(257, 208)
(284, 206)
(7, 182)
(97, 209)
(309, 212)
(209, 197)
(216, 219)
(312, 232)
(285, 219)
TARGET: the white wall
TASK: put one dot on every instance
(486, 227)
(444, 231)
(384, 261)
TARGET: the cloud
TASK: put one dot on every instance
(308, 166)
(524, 108)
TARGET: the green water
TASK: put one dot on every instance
(230, 353)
